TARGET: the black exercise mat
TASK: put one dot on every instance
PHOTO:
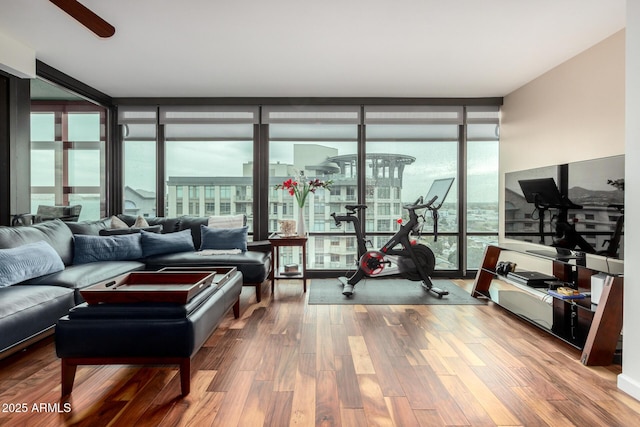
(388, 292)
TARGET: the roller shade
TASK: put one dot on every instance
(208, 114)
(339, 114)
(410, 114)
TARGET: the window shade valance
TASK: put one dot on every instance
(208, 114)
(137, 115)
(340, 114)
(410, 114)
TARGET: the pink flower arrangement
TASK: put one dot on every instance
(302, 190)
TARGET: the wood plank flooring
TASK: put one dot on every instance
(286, 363)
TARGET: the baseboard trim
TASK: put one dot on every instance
(629, 386)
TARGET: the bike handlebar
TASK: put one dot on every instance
(419, 205)
(351, 210)
(338, 223)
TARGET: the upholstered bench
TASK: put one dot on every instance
(143, 333)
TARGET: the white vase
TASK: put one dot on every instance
(301, 228)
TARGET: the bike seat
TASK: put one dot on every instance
(354, 207)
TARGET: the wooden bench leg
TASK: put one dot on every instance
(185, 376)
(68, 375)
(236, 309)
(258, 291)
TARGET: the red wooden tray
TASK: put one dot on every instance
(222, 274)
(152, 286)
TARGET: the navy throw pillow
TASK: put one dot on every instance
(158, 244)
(106, 248)
(28, 261)
(223, 238)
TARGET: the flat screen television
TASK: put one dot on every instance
(572, 207)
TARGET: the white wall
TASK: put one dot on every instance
(17, 58)
(629, 380)
(575, 112)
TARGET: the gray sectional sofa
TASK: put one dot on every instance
(30, 309)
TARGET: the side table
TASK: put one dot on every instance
(288, 241)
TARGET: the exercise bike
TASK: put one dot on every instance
(411, 261)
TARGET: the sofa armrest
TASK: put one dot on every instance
(259, 246)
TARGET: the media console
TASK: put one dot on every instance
(594, 329)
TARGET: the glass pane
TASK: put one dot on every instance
(84, 168)
(445, 250)
(43, 127)
(311, 152)
(91, 206)
(84, 127)
(140, 178)
(317, 151)
(475, 249)
(332, 252)
(42, 199)
(482, 185)
(67, 173)
(399, 172)
(213, 177)
(43, 168)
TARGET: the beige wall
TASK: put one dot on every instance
(573, 112)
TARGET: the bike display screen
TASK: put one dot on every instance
(439, 188)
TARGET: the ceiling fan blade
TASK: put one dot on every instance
(86, 17)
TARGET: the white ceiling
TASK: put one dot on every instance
(314, 48)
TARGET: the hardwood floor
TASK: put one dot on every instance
(288, 363)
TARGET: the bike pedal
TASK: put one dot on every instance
(347, 290)
(439, 292)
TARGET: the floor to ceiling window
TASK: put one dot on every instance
(202, 158)
(209, 160)
(139, 145)
(483, 133)
(308, 143)
(407, 148)
(68, 137)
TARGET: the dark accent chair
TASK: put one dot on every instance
(48, 213)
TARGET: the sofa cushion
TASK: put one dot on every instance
(157, 244)
(82, 275)
(28, 261)
(254, 266)
(132, 230)
(106, 248)
(223, 238)
(89, 227)
(117, 223)
(193, 223)
(227, 221)
(54, 232)
(169, 225)
(140, 222)
(28, 310)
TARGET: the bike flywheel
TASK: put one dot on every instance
(425, 258)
